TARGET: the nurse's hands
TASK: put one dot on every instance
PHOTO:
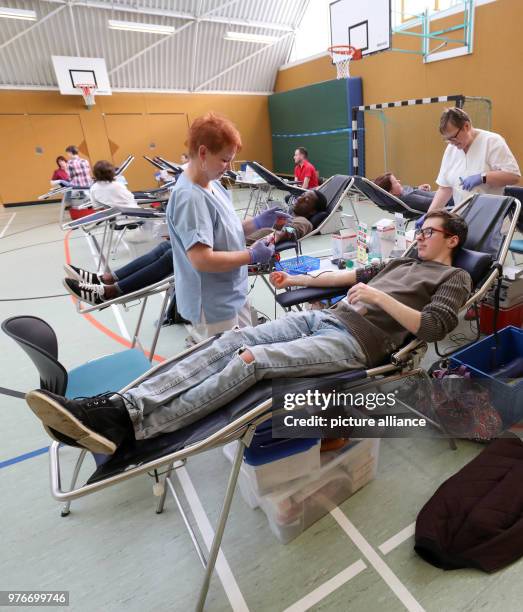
(269, 217)
(262, 250)
(420, 222)
(470, 182)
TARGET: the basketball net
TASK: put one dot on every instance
(87, 94)
(342, 55)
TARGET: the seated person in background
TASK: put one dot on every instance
(146, 270)
(78, 168)
(304, 171)
(303, 209)
(107, 191)
(61, 176)
(420, 296)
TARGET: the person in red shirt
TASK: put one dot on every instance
(60, 175)
(304, 171)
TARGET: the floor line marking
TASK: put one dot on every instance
(397, 539)
(120, 321)
(393, 582)
(314, 597)
(7, 225)
(223, 569)
(19, 458)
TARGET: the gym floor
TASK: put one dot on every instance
(114, 553)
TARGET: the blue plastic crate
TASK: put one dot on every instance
(506, 397)
(299, 265)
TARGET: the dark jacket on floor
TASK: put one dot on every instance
(475, 518)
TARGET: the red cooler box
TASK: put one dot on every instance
(506, 317)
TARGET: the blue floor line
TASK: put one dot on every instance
(35, 453)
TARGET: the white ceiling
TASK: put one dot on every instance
(195, 58)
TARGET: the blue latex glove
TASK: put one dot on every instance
(471, 181)
(420, 222)
(269, 217)
(261, 252)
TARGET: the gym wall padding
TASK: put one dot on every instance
(492, 70)
(317, 117)
(139, 123)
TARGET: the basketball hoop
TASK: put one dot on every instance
(341, 56)
(87, 93)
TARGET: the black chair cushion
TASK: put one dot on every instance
(308, 294)
(318, 218)
(284, 245)
(142, 451)
(475, 263)
(516, 192)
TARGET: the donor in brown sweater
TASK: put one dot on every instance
(418, 296)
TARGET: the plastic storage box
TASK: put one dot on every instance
(275, 462)
(507, 396)
(293, 508)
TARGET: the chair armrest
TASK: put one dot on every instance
(284, 245)
(309, 294)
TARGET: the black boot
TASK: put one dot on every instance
(97, 423)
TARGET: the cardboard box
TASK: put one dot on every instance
(344, 244)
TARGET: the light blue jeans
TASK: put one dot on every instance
(298, 345)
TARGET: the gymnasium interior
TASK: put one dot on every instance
(226, 513)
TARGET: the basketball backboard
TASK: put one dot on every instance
(74, 71)
(365, 25)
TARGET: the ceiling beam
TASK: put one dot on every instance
(192, 73)
(36, 24)
(143, 10)
(73, 26)
(245, 59)
(165, 38)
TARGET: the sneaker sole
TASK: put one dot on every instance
(52, 414)
(72, 274)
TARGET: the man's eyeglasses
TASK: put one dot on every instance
(427, 232)
(453, 138)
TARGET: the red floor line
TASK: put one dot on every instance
(99, 326)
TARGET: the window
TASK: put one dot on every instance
(313, 35)
(405, 10)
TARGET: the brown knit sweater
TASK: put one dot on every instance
(436, 290)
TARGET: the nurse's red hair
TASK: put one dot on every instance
(213, 131)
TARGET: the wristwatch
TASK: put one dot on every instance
(483, 177)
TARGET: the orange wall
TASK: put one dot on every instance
(109, 130)
(492, 71)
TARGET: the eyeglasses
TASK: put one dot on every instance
(427, 232)
(453, 138)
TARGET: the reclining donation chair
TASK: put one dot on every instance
(239, 419)
(389, 203)
(334, 189)
(516, 246)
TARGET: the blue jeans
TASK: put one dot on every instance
(146, 270)
(298, 345)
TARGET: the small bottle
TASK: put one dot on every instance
(374, 244)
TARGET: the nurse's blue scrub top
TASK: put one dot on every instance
(196, 215)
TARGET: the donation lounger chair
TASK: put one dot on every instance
(516, 246)
(388, 202)
(238, 420)
(334, 189)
